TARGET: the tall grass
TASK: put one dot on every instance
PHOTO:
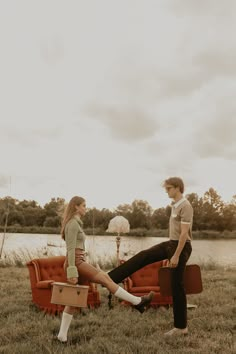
(21, 257)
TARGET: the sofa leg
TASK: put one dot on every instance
(110, 301)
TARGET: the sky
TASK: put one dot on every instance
(106, 99)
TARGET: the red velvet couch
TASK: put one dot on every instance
(43, 272)
(145, 280)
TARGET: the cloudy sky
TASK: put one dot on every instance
(106, 99)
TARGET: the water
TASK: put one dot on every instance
(104, 248)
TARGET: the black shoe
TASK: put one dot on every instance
(145, 301)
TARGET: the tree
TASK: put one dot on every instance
(197, 204)
(229, 216)
(55, 207)
(160, 218)
(16, 218)
(106, 216)
(213, 199)
(8, 206)
(125, 210)
(30, 213)
(141, 214)
(52, 221)
(212, 210)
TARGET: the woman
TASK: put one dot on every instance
(76, 265)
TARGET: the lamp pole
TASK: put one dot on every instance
(93, 221)
(118, 241)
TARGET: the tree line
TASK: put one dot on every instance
(210, 213)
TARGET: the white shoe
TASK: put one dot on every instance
(176, 332)
(62, 340)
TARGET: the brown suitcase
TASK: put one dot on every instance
(192, 280)
(70, 295)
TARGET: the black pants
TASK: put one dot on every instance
(164, 250)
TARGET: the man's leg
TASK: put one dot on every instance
(178, 291)
(141, 259)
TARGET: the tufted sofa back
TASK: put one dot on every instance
(42, 273)
(51, 268)
(148, 275)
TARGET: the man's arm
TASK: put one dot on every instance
(182, 239)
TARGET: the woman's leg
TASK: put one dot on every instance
(66, 319)
(88, 272)
(104, 279)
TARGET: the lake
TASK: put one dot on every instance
(103, 248)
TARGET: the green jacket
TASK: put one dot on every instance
(75, 238)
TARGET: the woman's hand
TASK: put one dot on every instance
(73, 281)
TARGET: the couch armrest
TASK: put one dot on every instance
(44, 284)
(93, 286)
(128, 283)
(165, 263)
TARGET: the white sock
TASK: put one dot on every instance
(124, 295)
(65, 324)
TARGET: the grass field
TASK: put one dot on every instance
(24, 329)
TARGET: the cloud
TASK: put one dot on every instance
(214, 110)
(202, 49)
(52, 50)
(29, 136)
(158, 91)
(125, 123)
(4, 181)
(202, 8)
(217, 138)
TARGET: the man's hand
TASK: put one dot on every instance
(173, 261)
(73, 281)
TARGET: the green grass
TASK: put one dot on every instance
(24, 329)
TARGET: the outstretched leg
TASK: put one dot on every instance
(153, 254)
(139, 303)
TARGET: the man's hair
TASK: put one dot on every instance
(175, 182)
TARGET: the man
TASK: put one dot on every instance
(178, 250)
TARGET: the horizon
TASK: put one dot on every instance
(123, 203)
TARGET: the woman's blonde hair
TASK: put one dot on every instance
(70, 211)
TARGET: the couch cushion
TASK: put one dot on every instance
(147, 276)
(141, 289)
